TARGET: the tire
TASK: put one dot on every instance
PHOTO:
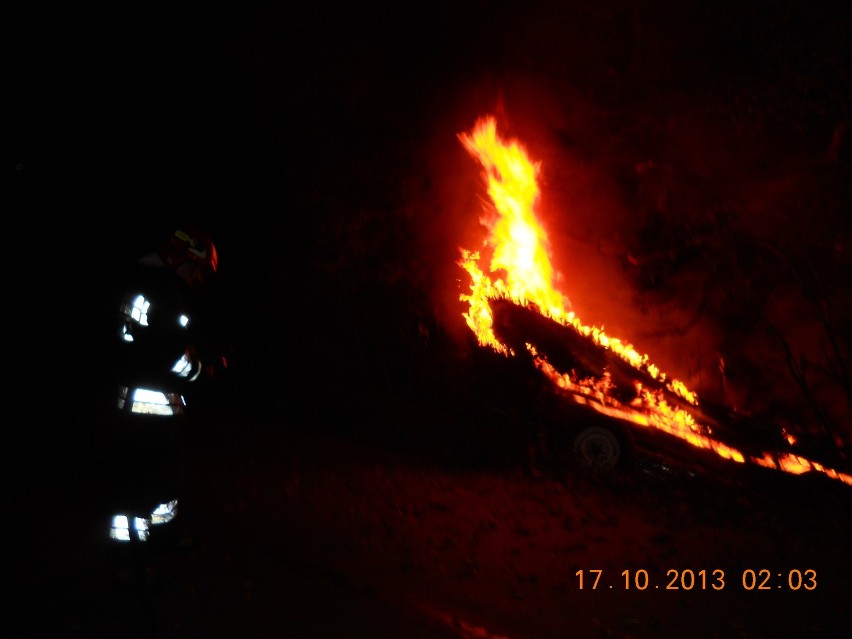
(599, 448)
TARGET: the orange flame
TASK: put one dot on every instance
(520, 270)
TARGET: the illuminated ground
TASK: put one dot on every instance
(311, 534)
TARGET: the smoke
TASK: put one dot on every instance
(582, 204)
(644, 188)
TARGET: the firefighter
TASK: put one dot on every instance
(160, 351)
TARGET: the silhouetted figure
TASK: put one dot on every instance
(160, 350)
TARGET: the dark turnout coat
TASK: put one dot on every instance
(156, 344)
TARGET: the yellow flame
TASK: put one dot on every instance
(520, 270)
(519, 242)
(521, 253)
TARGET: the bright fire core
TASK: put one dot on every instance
(520, 270)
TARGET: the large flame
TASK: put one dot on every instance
(520, 270)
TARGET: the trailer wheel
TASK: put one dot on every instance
(598, 447)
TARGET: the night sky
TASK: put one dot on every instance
(248, 110)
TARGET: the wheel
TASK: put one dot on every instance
(597, 447)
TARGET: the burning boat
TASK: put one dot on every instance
(607, 393)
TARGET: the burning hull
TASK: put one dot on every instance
(617, 403)
(570, 352)
(516, 309)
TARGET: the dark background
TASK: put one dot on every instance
(695, 182)
(695, 156)
(275, 127)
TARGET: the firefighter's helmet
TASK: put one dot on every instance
(189, 245)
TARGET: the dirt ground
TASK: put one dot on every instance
(289, 532)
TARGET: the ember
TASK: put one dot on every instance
(611, 376)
